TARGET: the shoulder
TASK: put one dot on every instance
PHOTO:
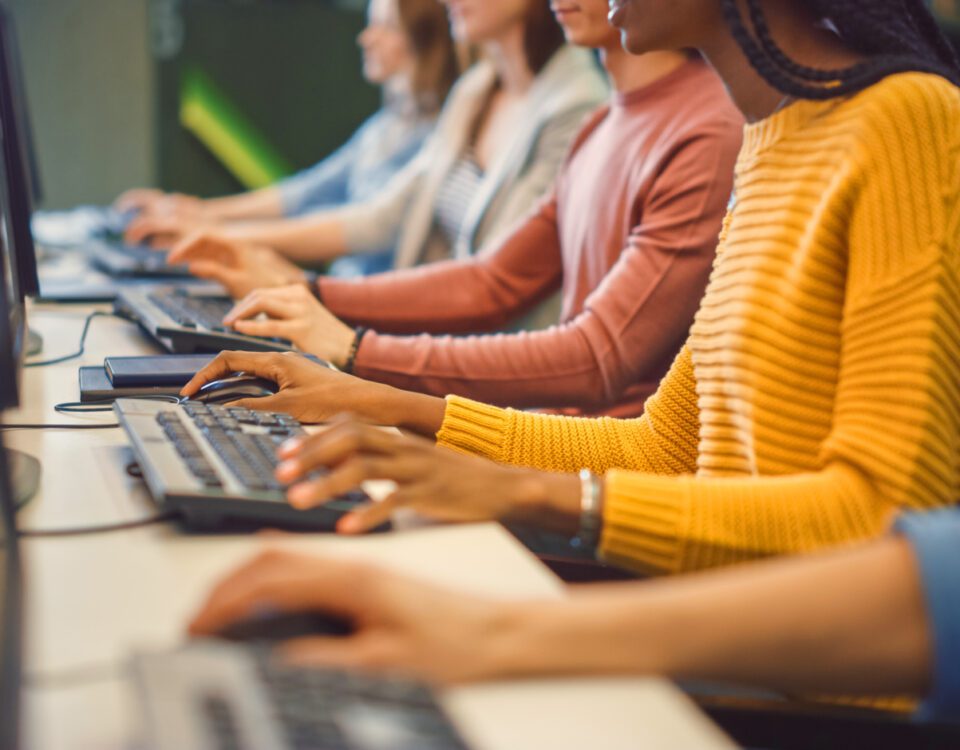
(918, 112)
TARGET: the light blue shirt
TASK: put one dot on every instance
(380, 148)
(935, 538)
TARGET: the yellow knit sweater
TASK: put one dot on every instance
(819, 389)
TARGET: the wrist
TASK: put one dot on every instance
(346, 346)
(416, 412)
(544, 499)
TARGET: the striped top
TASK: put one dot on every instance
(818, 390)
(456, 196)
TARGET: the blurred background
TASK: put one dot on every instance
(203, 96)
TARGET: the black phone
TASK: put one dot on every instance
(168, 370)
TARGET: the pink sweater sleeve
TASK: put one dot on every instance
(483, 293)
(634, 322)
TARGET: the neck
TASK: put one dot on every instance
(631, 72)
(509, 58)
(800, 37)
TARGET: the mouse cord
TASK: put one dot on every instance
(83, 341)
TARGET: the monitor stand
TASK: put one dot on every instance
(34, 343)
(24, 475)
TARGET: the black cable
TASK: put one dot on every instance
(91, 530)
(85, 407)
(83, 342)
(106, 404)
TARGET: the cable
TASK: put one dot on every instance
(85, 407)
(106, 404)
(83, 342)
(91, 530)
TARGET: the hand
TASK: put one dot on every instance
(311, 392)
(436, 482)
(401, 625)
(138, 200)
(239, 267)
(296, 315)
(163, 230)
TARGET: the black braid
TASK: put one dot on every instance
(894, 36)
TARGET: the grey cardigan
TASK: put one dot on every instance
(568, 87)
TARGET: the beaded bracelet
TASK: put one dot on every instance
(358, 333)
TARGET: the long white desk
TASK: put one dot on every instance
(92, 600)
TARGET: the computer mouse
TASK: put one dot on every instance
(273, 627)
(234, 388)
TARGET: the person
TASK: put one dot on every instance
(408, 52)
(628, 233)
(497, 147)
(881, 619)
(814, 396)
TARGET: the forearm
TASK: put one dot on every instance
(461, 296)
(311, 239)
(852, 622)
(538, 369)
(385, 405)
(261, 204)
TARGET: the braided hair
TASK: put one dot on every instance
(894, 36)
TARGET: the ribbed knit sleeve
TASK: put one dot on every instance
(663, 440)
(894, 435)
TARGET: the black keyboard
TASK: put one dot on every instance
(214, 465)
(333, 710)
(193, 311)
(251, 454)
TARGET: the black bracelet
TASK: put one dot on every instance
(358, 333)
(313, 284)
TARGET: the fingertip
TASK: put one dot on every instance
(301, 496)
(351, 523)
(291, 447)
(287, 471)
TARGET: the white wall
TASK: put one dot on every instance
(89, 74)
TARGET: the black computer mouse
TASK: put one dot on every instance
(273, 627)
(234, 388)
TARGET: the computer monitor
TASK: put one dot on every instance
(14, 131)
(10, 602)
(12, 308)
(24, 470)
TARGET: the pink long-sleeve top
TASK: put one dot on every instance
(628, 235)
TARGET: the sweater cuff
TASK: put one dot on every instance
(643, 515)
(472, 427)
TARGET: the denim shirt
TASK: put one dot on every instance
(935, 537)
(380, 148)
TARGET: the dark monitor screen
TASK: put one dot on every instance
(14, 133)
(12, 317)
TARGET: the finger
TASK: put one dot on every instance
(285, 582)
(235, 282)
(347, 476)
(370, 516)
(143, 227)
(136, 200)
(227, 363)
(284, 329)
(334, 446)
(272, 302)
(200, 245)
